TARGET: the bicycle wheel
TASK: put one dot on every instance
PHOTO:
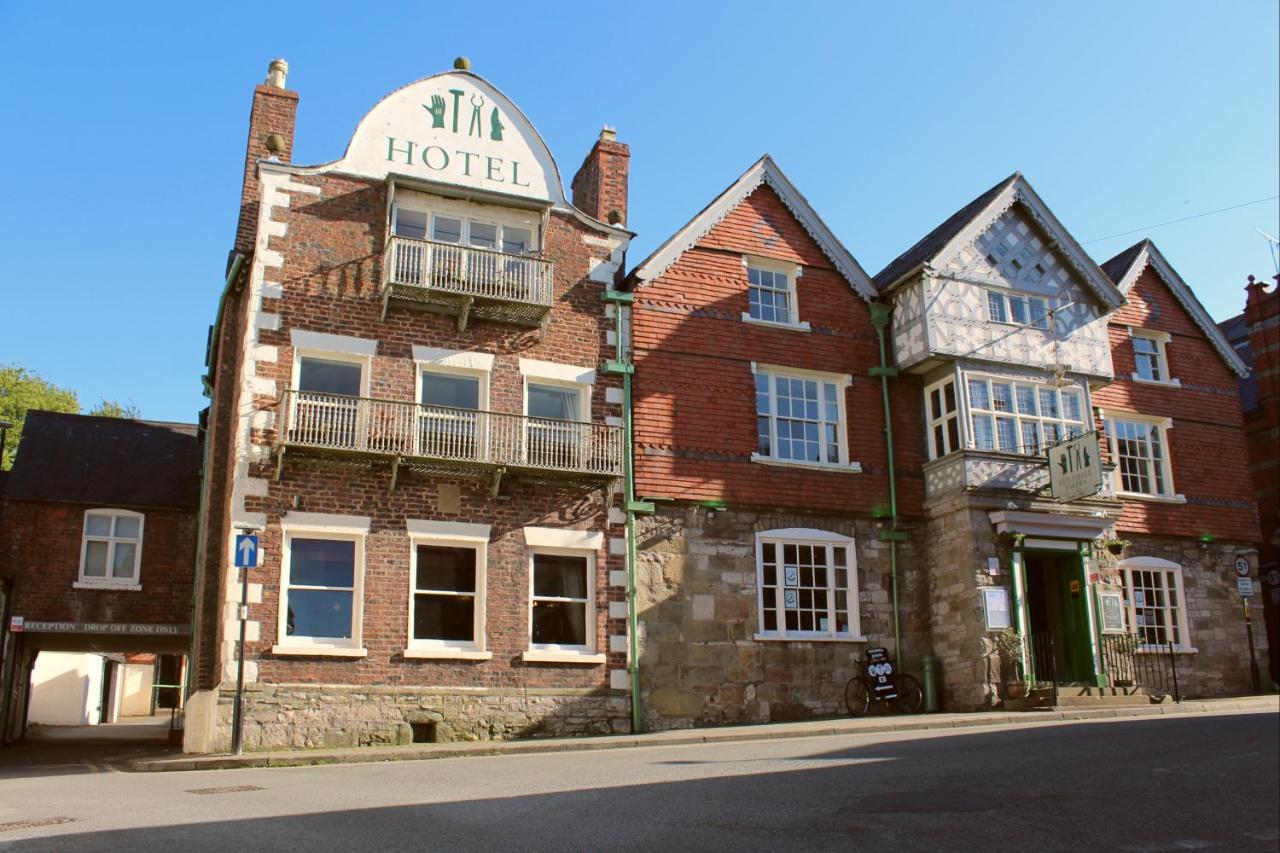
(910, 697)
(857, 698)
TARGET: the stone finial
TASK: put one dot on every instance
(462, 63)
(277, 73)
(274, 143)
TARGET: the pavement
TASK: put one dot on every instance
(1172, 781)
(815, 728)
(107, 745)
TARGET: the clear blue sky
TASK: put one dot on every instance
(125, 131)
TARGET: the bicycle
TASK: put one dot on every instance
(878, 681)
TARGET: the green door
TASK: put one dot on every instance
(1058, 605)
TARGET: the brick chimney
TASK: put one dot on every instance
(600, 187)
(271, 121)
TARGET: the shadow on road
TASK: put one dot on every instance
(50, 750)
(1142, 785)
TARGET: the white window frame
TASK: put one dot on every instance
(132, 583)
(467, 214)
(842, 381)
(1164, 426)
(816, 538)
(449, 534)
(1004, 295)
(932, 424)
(793, 272)
(306, 525)
(1159, 566)
(1161, 340)
(569, 543)
(1019, 419)
(364, 361)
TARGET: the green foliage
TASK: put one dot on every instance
(21, 390)
(113, 409)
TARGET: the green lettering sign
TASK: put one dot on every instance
(391, 150)
(494, 173)
(443, 158)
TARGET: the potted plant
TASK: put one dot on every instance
(1012, 539)
(1115, 546)
(1008, 644)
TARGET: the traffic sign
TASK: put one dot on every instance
(246, 551)
(1244, 586)
(1242, 566)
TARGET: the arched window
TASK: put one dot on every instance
(111, 548)
(1155, 604)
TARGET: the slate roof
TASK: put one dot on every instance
(110, 462)
(1116, 267)
(935, 240)
(1236, 331)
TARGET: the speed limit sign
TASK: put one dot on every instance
(1242, 566)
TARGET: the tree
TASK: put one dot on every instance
(20, 390)
(112, 409)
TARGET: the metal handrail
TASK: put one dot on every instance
(467, 271)
(398, 428)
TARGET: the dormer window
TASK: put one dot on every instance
(771, 293)
(1150, 362)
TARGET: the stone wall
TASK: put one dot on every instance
(1215, 617)
(698, 610)
(311, 716)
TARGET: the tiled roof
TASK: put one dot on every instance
(106, 461)
(935, 240)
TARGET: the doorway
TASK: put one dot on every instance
(1057, 613)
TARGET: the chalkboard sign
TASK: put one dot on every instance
(880, 671)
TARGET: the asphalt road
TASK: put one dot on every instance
(1203, 781)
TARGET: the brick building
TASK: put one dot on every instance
(760, 438)
(416, 400)
(97, 544)
(1255, 334)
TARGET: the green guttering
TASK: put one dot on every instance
(202, 511)
(622, 366)
(880, 313)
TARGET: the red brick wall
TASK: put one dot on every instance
(1207, 443)
(273, 111)
(330, 283)
(600, 185)
(42, 542)
(695, 412)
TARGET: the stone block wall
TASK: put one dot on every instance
(315, 716)
(698, 610)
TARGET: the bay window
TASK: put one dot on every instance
(1017, 416)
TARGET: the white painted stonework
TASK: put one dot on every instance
(454, 128)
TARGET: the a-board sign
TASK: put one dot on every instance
(1075, 468)
(880, 671)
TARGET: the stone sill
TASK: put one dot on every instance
(802, 326)
(446, 654)
(1159, 499)
(551, 656)
(850, 468)
(1162, 383)
(780, 638)
(319, 652)
(123, 587)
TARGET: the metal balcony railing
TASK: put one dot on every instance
(361, 425)
(465, 280)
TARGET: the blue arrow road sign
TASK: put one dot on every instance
(246, 551)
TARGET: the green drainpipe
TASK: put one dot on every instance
(621, 365)
(202, 511)
(880, 314)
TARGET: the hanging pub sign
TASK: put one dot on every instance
(880, 671)
(1075, 468)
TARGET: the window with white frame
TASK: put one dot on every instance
(560, 605)
(1150, 361)
(449, 422)
(807, 582)
(482, 233)
(800, 417)
(1020, 309)
(557, 403)
(771, 295)
(1138, 447)
(1155, 603)
(111, 550)
(943, 418)
(1014, 416)
(326, 408)
(321, 581)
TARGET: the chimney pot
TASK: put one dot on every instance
(608, 133)
(277, 73)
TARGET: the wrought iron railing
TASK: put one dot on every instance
(410, 430)
(1129, 662)
(467, 271)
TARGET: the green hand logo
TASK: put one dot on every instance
(437, 111)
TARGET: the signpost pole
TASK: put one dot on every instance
(237, 724)
(1255, 680)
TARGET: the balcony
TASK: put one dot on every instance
(981, 470)
(445, 441)
(467, 282)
